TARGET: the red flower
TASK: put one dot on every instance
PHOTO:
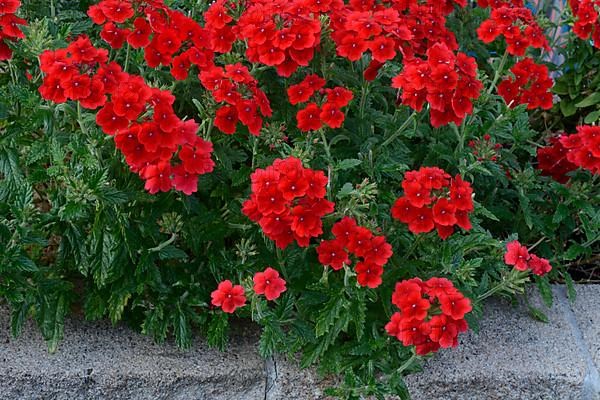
(116, 10)
(516, 255)
(539, 266)
(158, 177)
(443, 213)
(368, 274)
(455, 305)
(109, 121)
(309, 118)
(332, 116)
(299, 93)
(332, 253)
(423, 221)
(184, 181)
(228, 297)
(269, 283)
(226, 119)
(140, 36)
(382, 48)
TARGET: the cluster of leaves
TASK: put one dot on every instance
(79, 235)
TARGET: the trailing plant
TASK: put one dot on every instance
(355, 177)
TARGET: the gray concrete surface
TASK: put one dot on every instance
(513, 357)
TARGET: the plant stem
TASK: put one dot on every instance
(80, 119)
(408, 363)
(163, 244)
(127, 58)
(326, 146)
(498, 72)
(400, 130)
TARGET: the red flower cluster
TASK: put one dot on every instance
(583, 148)
(81, 73)
(446, 80)
(288, 202)
(431, 314)
(518, 26)
(586, 20)
(552, 161)
(362, 26)
(269, 283)
(374, 251)
(245, 102)
(499, 3)
(432, 199)
(228, 297)
(530, 85)
(313, 116)
(280, 33)
(518, 256)
(168, 37)
(387, 28)
(9, 26)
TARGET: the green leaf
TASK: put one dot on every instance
(217, 331)
(567, 108)
(571, 293)
(538, 314)
(545, 291)
(590, 100)
(562, 211)
(171, 252)
(348, 163)
(181, 326)
(330, 313)
(50, 318)
(592, 117)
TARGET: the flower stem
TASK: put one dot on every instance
(408, 362)
(400, 130)
(498, 72)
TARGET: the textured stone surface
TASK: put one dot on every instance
(512, 357)
(587, 313)
(586, 316)
(98, 361)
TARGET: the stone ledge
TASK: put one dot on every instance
(513, 357)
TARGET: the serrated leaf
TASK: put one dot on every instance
(348, 163)
(538, 314)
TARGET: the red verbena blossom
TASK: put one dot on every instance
(434, 200)
(281, 33)
(288, 202)
(243, 100)
(9, 26)
(168, 37)
(530, 85)
(269, 283)
(228, 297)
(583, 148)
(447, 81)
(431, 314)
(518, 256)
(164, 150)
(586, 20)
(552, 161)
(372, 251)
(518, 26)
(312, 117)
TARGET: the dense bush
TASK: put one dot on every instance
(356, 177)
